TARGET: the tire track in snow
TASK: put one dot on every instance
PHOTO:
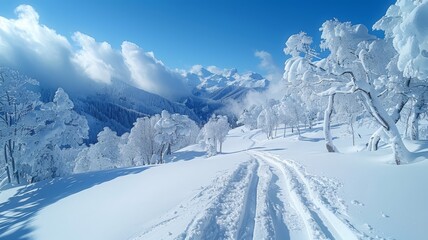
(319, 221)
(231, 214)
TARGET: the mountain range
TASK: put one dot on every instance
(118, 105)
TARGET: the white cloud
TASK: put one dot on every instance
(215, 69)
(93, 58)
(40, 52)
(273, 73)
(31, 47)
(150, 74)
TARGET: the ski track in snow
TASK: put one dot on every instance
(265, 197)
(231, 214)
(319, 218)
(223, 210)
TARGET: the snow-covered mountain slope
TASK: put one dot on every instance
(283, 188)
(118, 105)
(223, 84)
(202, 78)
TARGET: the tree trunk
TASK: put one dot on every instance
(161, 154)
(373, 144)
(327, 125)
(168, 150)
(352, 131)
(7, 164)
(220, 145)
(417, 109)
(15, 173)
(285, 127)
(375, 138)
(215, 145)
(388, 124)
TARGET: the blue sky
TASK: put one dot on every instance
(225, 33)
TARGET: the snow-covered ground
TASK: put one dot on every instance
(285, 188)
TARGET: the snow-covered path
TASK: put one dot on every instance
(283, 188)
(317, 221)
(264, 198)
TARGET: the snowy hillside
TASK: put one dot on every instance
(283, 188)
(119, 105)
(104, 141)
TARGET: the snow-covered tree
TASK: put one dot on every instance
(267, 119)
(186, 131)
(105, 154)
(355, 63)
(404, 25)
(17, 104)
(145, 138)
(280, 110)
(57, 137)
(223, 128)
(295, 111)
(141, 145)
(214, 133)
(249, 116)
(165, 134)
(348, 109)
(40, 140)
(174, 131)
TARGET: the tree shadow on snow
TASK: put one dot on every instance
(244, 150)
(422, 145)
(307, 139)
(273, 149)
(186, 155)
(419, 156)
(17, 213)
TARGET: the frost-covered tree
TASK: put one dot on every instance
(140, 145)
(249, 116)
(186, 131)
(57, 137)
(82, 161)
(17, 104)
(150, 139)
(268, 119)
(223, 128)
(174, 131)
(105, 154)
(40, 140)
(294, 111)
(280, 110)
(348, 108)
(214, 133)
(404, 25)
(165, 134)
(355, 63)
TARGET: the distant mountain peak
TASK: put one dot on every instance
(211, 79)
